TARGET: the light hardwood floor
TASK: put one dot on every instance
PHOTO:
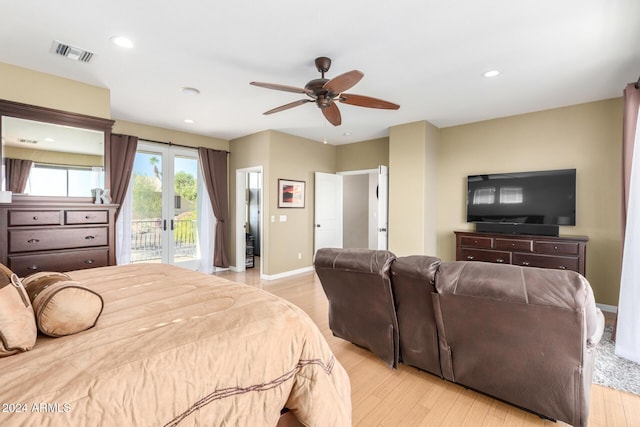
(406, 396)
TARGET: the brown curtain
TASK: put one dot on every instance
(122, 153)
(214, 170)
(17, 174)
(629, 121)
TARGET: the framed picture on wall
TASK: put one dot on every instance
(290, 193)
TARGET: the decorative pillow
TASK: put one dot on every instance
(17, 323)
(62, 306)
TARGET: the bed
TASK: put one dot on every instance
(174, 347)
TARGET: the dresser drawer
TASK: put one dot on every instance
(515, 245)
(86, 217)
(563, 248)
(17, 218)
(499, 257)
(476, 242)
(23, 265)
(547, 261)
(25, 240)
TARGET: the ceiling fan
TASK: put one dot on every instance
(325, 93)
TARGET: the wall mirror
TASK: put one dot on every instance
(52, 153)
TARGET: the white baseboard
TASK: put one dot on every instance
(607, 308)
(286, 273)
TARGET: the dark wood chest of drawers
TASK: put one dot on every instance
(565, 253)
(39, 236)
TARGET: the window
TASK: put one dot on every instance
(484, 196)
(510, 195)
(65, 181)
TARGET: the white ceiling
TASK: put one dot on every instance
(426, 55)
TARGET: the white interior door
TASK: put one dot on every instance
(383, 207)
(328, 211)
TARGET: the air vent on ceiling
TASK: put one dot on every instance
(71, 52)
(27, 141)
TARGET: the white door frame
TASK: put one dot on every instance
(168, 153)
(241, 201)
(384, 204)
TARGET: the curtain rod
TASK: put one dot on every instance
(170, 144)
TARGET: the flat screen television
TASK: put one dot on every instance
(522, 202)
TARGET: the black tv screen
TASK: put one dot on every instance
(540, 197)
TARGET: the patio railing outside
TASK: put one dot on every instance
(146, 239)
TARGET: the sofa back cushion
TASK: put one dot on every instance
(412, 280)
(361, 306)
(519, 334)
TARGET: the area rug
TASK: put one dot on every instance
(614, 371)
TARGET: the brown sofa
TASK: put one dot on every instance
(524, 335)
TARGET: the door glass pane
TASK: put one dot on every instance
(185, 205)
(147, 222)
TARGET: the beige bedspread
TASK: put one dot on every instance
(175, 347)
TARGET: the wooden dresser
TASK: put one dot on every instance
(56, 236)
(565, 253)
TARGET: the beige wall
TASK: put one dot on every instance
(287, 157)
(412, 188)
(362, 155)
(250, 151)
(167, 135)
(586, 137)
(32, 87)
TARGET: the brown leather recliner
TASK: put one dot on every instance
(361, 307)
(413, 283)
(524, 335)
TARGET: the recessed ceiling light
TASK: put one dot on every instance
(189, 121)
(190, 91)
(122, 42)
(346, 134)
(491, 73)
(49, 139)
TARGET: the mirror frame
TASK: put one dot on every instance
(50, 115)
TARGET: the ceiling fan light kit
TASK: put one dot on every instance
(325, 92)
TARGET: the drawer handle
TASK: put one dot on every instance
(526, 263)
(87, 217)
(470, 257)
(35, 218)
(555, 248)
(33, 268)
(33, 241)
(499, 260)
(89, 237)
(89, 261)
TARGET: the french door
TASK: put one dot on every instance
(165, 200)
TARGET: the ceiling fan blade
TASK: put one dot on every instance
(287, 106)
(332, 113)
(343, 82)
(282, 87)
(367, 101)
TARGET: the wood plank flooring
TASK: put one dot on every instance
(406, 396)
